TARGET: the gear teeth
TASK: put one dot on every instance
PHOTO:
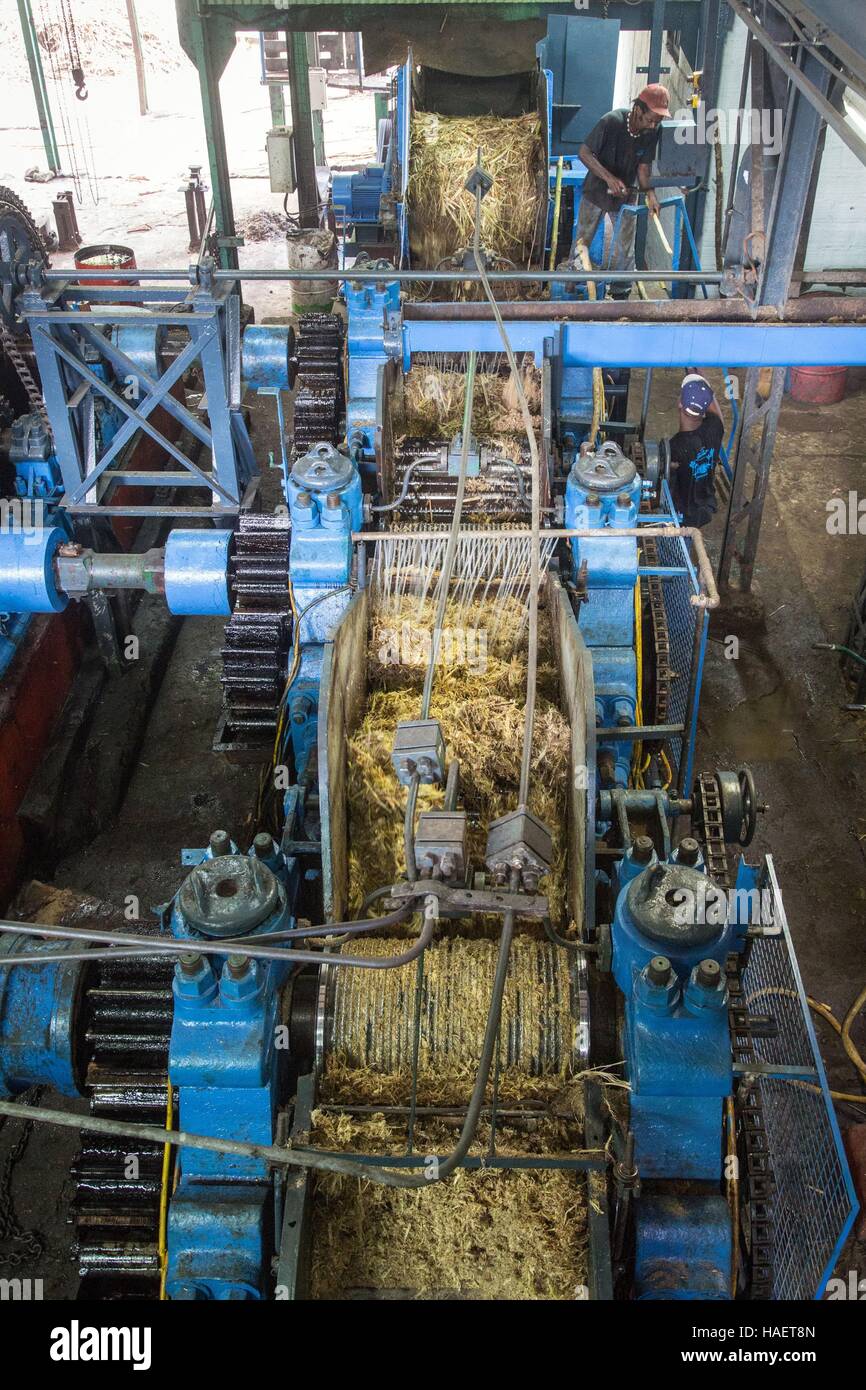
(256, 641)
(115, 1208)
(319, 399)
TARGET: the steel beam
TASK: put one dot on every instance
(801, 81)
(208, 55)
(40, 90)
(825, 309)
(754, 451)
(657, 35)
(302, 126)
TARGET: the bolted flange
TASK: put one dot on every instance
(228, 896)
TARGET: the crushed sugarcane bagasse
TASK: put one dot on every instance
(485, 1233)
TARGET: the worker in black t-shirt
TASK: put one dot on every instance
(694, 451)
(619, 153)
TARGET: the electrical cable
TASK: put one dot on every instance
(838, 647)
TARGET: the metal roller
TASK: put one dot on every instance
(268, 357)
(367, 1018)
(27, 582)
(196, 572)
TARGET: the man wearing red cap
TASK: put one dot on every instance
(618, 154)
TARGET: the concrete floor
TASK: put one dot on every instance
(778, 706)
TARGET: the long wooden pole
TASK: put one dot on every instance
(132, 16)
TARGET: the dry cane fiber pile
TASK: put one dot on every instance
(486, 1233)
(443, 151)
(434, 393)
(478, 697)
(483, 1233)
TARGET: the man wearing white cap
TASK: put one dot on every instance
(619, 154)
(694, 451)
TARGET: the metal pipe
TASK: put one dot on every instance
(688, 719)
(276, 1156)
(379, 277)
(450, 549)
(535, 532)
(827, 309)
(170, 946)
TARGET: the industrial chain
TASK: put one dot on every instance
(748, 1104)
(25, 376)
(709, 826)
(30, 1244)
(75, 65)
(652, 591)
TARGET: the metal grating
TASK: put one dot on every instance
(812, 1204)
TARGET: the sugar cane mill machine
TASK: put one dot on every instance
(207, 1038)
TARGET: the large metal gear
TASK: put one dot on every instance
(257, 635)
(319, 398)
(115, 1210)
(20, 243)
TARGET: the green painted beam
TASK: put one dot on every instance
(302, 128)
(210, 45)
(40, 91)
(278, 104)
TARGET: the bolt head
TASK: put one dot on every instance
(689, 850)
(708, 974)
(659, 970)
(263, 844)
(190, 962)
(642, 849)
(220, 842)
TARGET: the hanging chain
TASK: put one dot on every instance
(72, 49)
(30, 1245)
(25, 376)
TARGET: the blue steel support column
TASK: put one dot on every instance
(657, 34)
(754, 451)
(708, 62)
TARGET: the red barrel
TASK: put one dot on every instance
(105, 257)
(818, 385)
